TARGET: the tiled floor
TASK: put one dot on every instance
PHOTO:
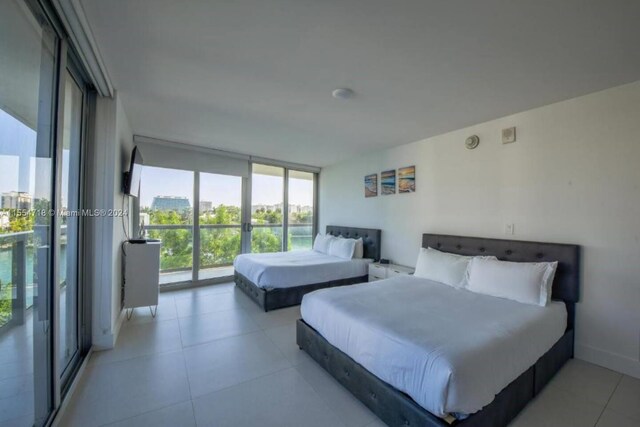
(213, 358)
(17, 367)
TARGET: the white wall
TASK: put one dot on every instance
(123, 148)
(107, 159)
(573, 176)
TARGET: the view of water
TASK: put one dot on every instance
(6, 262)
(301, 242)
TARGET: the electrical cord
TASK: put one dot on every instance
(124, 229)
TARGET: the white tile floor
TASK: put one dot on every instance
(213, 358)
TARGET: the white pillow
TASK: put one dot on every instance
(442, 267)
(525, 282)
(322, 242)
(359, 251)
(342, 248)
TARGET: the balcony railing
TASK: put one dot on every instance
(220, 243)
(13, 276)
(18, 269)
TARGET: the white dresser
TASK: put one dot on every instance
(384, 271)
(141, 274)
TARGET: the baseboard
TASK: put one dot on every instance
(107, 340)
(616, 362)
(72, 389)
(118, 326)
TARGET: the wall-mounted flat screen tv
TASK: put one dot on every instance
(132, 176)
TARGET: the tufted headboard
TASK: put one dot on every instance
(371, 237)
(566, 284)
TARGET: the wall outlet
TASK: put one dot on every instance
(508, 135)
(510, 229)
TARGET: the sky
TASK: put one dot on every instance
(18, 139)
(221, 189)
(15, 137)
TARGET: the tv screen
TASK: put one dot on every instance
(132, 177)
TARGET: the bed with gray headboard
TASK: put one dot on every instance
(275, 297)
(397, 408)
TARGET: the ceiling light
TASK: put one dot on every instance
(343, 93)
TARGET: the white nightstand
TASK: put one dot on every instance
(384, 271)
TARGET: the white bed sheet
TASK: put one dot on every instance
(288, 269)
(451, 350)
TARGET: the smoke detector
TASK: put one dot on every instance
(343, 93)
(472, 142)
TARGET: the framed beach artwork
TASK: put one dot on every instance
(407, 179)
(371, 185)
(388, 182)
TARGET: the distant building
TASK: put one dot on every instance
(206, 206)
(15, 200)
(170, 203)
(300, 209)
(272, 208)
(292, 208)
(4, 220)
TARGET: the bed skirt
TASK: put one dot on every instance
(273, 298)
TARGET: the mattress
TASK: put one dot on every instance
(288, 269)
(449, 349)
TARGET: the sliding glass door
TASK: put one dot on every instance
(68, 226)
(282, 204)
(267, 207)
(28, 77)
(301, 201)
(220, 224)
(166, 213)
(206, 219)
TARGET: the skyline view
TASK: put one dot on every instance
(221, 189)
(21, 170)
(182, 203)
(17, 141)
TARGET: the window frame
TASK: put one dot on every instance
(245, 218)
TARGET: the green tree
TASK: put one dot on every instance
(262, 216)
(218, 246)
(265, 240)
(222, 215)
(5, 303)
(177, 245)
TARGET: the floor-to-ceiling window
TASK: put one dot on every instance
(207, 218)
(301, 201)
(220, 222)
(42, 107)
(69, 223)
(267, 208)
(27, 79)
(166, 211)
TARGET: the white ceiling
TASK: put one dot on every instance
(255, 76)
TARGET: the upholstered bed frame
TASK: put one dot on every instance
(396, 408)
(272, 298)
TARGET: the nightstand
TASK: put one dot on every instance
(384, 271)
